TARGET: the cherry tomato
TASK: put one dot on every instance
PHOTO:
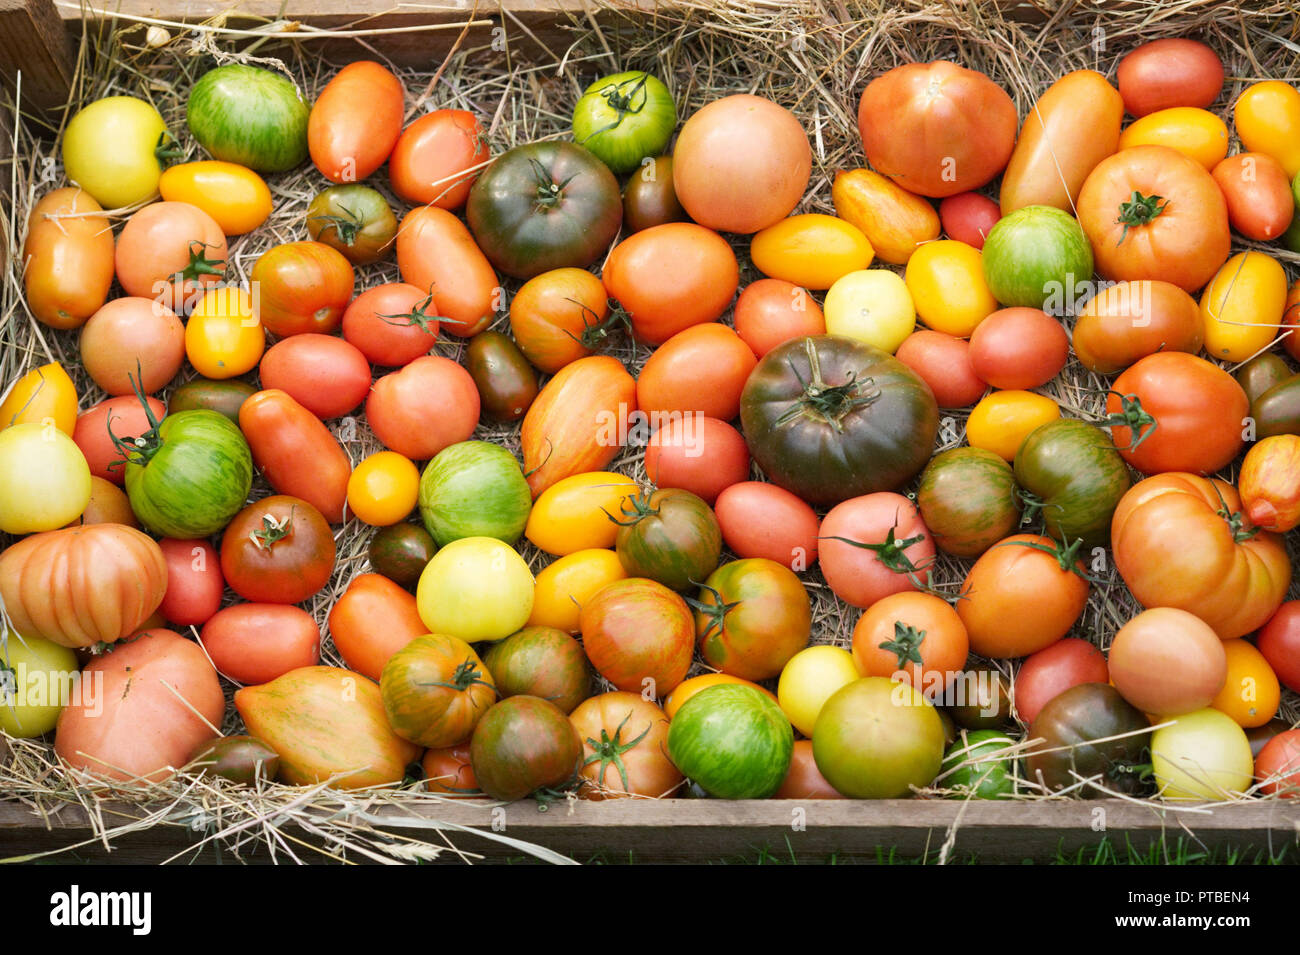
(383, 489)
(224, 337)
(969, 217)
(1002, 420)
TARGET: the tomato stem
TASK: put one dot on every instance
(830, 403)
(167, 150)
(1140, 422)
(346, 227)
(272, 530)
(640, 509)
(593, 333)
(622, 103)
(1139, 211)
(418, 317)
(466, 675)
(1067, 556)
(200, 264)
(138, 450)
(906, 644)
(610, 751)
(715, 611)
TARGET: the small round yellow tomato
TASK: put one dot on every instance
(873, 306)
(688, 688)
(809, 679)
(946, 279)
(1251, 693)
(32, 698)
(44, 478)
(110, 150)
(1196, 133)
(1204, 755)
(811, 250)
(1003, 419)
(383, 488)
(1243, 305)
(575, 514)
(475, 588)
(44, 392)
(235, 196)
(224, 337)
(564, 585)
(1267, 120)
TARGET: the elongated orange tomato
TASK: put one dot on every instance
(580, 421)
(296, 452)
(355, 122)
(436, 253)
(68, 260)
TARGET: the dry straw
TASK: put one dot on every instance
(813, 57)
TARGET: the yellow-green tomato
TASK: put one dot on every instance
(808, 680)
(1204, 755)
(111, 149)
(475, 588)
(873, 306)
(37, 680)
(44, 478)
(1242, 306)
(810, 250)
(236, 197)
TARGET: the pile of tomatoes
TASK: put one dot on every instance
(787, 435)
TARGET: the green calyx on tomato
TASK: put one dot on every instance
(829, 403)
(1067, 556)
(1139, 211)
(609, 752)
(714, 612)
(272, 530)
(624, 118)
(1140, 422)
(465, 675)
(906, 644)
(418, 317)
(891, 552)
(199, 263)
(168, 149)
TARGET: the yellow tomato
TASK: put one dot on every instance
(809, 679)
(946, 279)
(110, 150)
(564, 585)
(873, 306)
(224, 337)
(688, 688)
(235, 196)
(1204, 755)
(33, 698)
(1267, 118)
(1003, 419)
(810, 250)
(475, 588)
(1251, 693)
(44, 392)
(383, 488)
(1242, 306)
(1196, 133)
(44, 479)
(574, 514)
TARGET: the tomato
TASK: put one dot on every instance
(649, 198)
(372, 620)
(873, 546)
(398, 403)
(670, 536)
(671, 277)
(391, 324)
(1130, 320)
(1167, 661)
(564, 586)
(1072, 477)
(1047, 674)
(543, 662)
(355, 121)
(808, 680)
(980, 699)
(974, 766)
(1073, 126)
(132, 339)
(1172, 71)
(853, 419)
(946, 279)
(325, 374)
(277, 550)
(1262, 373)
(436, 159)
(969, 217)
(1003, 419)
(256, 642)
(45, 392)
(1019, 348)
(400, 551)
(354, 220)
(967, 498)
(558, 317)
(698, 454)
(876, 739)
(751, 617)
(1199, 413)
(1022, 571)
(127, 173)
(1035, 257)
(894, 221)
(804, 780)
(383, 488)
(732, 741)
(195, 584)
(170, 252)
(435, 252)
(303, 287)
(937, 128)
(700, 370)
(475, 588)
(1267, 483)
(639, 636)
(1181, 541)
(1175, 229)
(1203, 756)
(250, 116)
(449, 771)
(1093, 744)
(224, 397)
(811, 250)
(29, 667)
(435, 691)
(523, 745)
(234, 196)
(1276, 765)
(763, 520)
(574, 514)
(507, 384)
(129, 420)
(1277, 411)
(296, 453)
(224, 335)
(770, 312)
(69, 261)
(943, 362)
(689, 688)
(1251, 692)
(241, 759)
(624, 118)
(915, 638)
(1243, 306)
(1258, 193)
(873, 306)
(625, 748)
(1267, 120)
(108, 504)
(474, 489)
(741, 164)
(1196, 133)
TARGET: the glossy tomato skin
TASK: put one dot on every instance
(915, 638)
(670, 536)
(1173, 71)
(944, 363)
(1128, 321)
(701, 369)
(813, 250)
(241, 759)
(1258, 192)
(1276, 765)
(886, 419)
(1262, 373)
(223, 397)
(894, 220)
(639, 635)
(1019, 348)
(194, 581)
(1167, 661)
(1279, 641)
(236, 197)
(751, 617)
(558, 317)
(323, 373)
(1196, 133)
(277, 550)
(305, 286)
(969, 217)
(448, 771)
(137, 140)
(649, 198)
(967, 498)
(434, 158)
(762, 520)
(625, 748)
(543, 662)
(732, 741)
(1050, 672)
(1089, 731)
(295, 452)
(698, 454)
(255, 643)
(1266, 117)
(372, 620)
(770, 312)
(437, 253)
(1277, 411)
(392, 324)
(1073, 469)
(400, 552)
(170, 252)
(574, 514)
(435, 691)
(224, 336)
(355, 122)
(524, 744)
(1243, 305)
(354, 220)
(128, 419)
(872, 546)
(804, 780)
(45, 394)
(396, 408)
(507, 384)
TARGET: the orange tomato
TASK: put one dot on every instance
(435, 251)
(1269, 490)
(302, 287)
(1130, 320)
(1258, 192)
(558, 317)
(43, 393)
(1196, 133)
(1267, 120)
(916, 634)
(355, 122)
(894, 220)
(701, 369)
(295, 452)
(435, 159)
(223, 337)
(1251, 692)
(68, 260)
(170, 252)
(770, 312)
(372, 620)
(132, 342)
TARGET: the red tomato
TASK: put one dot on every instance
(277, 550)
(1258, 191)
(1053, 670)
(447, 770)
(392, 324)
(435, 251)
(969, 217)
(1171, 72)
(772, 311)
(399, 404)
(355, 122)
(324, 374)
(127, 417)
(763, 520)
(170, 252)
(435, 159)
(701, 369)
(255, 643)
(302, 287)
(639, 635)
(700, 454)
(804, 780)
(1279, 762)
(873, 546)
(943, 362)
(1279, 641)
(194, 581)
(1019, 348)
(372, 620)
(295, 452)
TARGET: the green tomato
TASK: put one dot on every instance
(44, 478)
(873, 306)
(250, 116)
(1036, 257)
(1204, 755)
(624, 118)
(474, 489)
(733, 741)
(115, 149)
(37, 679)
(973, 767)
(475, 588)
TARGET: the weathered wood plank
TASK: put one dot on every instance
(33, 39)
